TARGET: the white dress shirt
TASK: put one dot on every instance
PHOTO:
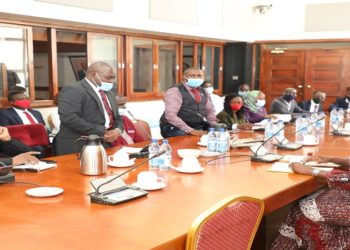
(23, 117)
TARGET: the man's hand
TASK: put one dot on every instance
(4, 134)
(112, 135)
(26, 158)
(319, 159)
(198, 132)
(245, 126)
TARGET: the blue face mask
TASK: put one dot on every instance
(243, 94)
(194, 82)
(105, 86)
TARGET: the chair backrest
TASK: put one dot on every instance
(230, 224)
(143, 129)
(30, 134)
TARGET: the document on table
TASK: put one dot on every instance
(34, 167)
(284, 168)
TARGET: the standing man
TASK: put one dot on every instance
(188, 109)
(286, 103)
(88, 107)
(20, 112)
(315, 104)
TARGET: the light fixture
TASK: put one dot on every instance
(262, 9)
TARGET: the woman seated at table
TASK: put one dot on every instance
(254, 107)
(233, 114)
(321, 220)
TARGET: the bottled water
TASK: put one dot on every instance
(211, 140)
(268, 134)
(166, 158)
(280, 134)
(320, 124)
(340, 116)
(298, 129)
(153, 150)
(222, 141)
(333, 120)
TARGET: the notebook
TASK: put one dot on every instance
(34, 167)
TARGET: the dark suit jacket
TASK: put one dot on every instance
(11, 148)
(10, 117)
(339, 103)
(279, 106)
(81, 113)
(307, 104)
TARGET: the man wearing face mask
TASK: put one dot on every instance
(188, 109)
(315, 104)
(342, 102)
(286, 103)
(243, 90)
(88, 107)
(217, 101)
(20, 112)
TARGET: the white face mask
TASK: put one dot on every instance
(105, 86)
(260, 103)
(209, 90)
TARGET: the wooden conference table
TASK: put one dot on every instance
(159, 220)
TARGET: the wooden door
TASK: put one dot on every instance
(281, 71)
(327, 71)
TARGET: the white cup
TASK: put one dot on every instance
(148, 179)
(347, 126)
(204, 139)
(190, 162)
(309, 139)
(119, 157)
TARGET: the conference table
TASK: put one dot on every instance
(159, 220)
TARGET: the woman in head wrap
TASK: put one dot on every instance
(254, 106)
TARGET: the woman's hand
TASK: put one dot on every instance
(319, 159)
(245, 126)
(300, 168)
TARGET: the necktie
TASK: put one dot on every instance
(29, 117)
(107, 107)
(315, 108)
(197, 95)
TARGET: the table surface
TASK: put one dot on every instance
(159, 220)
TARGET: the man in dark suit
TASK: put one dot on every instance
(88, 107)
(342, 102)
(286, 103)
(315, 104)
(20, 112)
(13, 151)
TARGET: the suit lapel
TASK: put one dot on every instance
(93, 94)
(16, 117)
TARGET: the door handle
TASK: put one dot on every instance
(300, 86)
(308, 86)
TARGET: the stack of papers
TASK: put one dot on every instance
(34, 167)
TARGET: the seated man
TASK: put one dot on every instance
(315, 104)
(20, 112)
(286, 103)
(217, 101)
(342, 102)
(15, 151)
(188, 109)
(129, 135)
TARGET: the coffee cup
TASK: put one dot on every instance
(148, 179)
(119, 157)
(204, 139)
(190, 162)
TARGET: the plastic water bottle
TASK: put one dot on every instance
(153, 150)
(268, 134)
(320, 124)
(280, 134)
(222, 141)
(166, 158)
(340, 115)
(333, 120)
(211, 146)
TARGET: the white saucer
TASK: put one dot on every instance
(155, 186)
(121, 164)
(202, 144)
(189, 170)
(44, 191)
(206, 153)
(310, 143)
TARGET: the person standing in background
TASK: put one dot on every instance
(88, 107)
(217, 101)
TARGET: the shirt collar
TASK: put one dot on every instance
(93, 86)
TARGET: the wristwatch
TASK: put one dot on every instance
(315, 171)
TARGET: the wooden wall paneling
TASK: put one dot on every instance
(128, 65)
(121, 66)
(221, 67)
(155, 71)
(195, 53)
(53, 77)
(31, 82)
(181, 51)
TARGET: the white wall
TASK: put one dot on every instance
(232, 20)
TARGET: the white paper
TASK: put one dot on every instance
(284, 168)
(293, 158)
(39, 167)
(283, 117)
(117, 183)
(130, 150)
